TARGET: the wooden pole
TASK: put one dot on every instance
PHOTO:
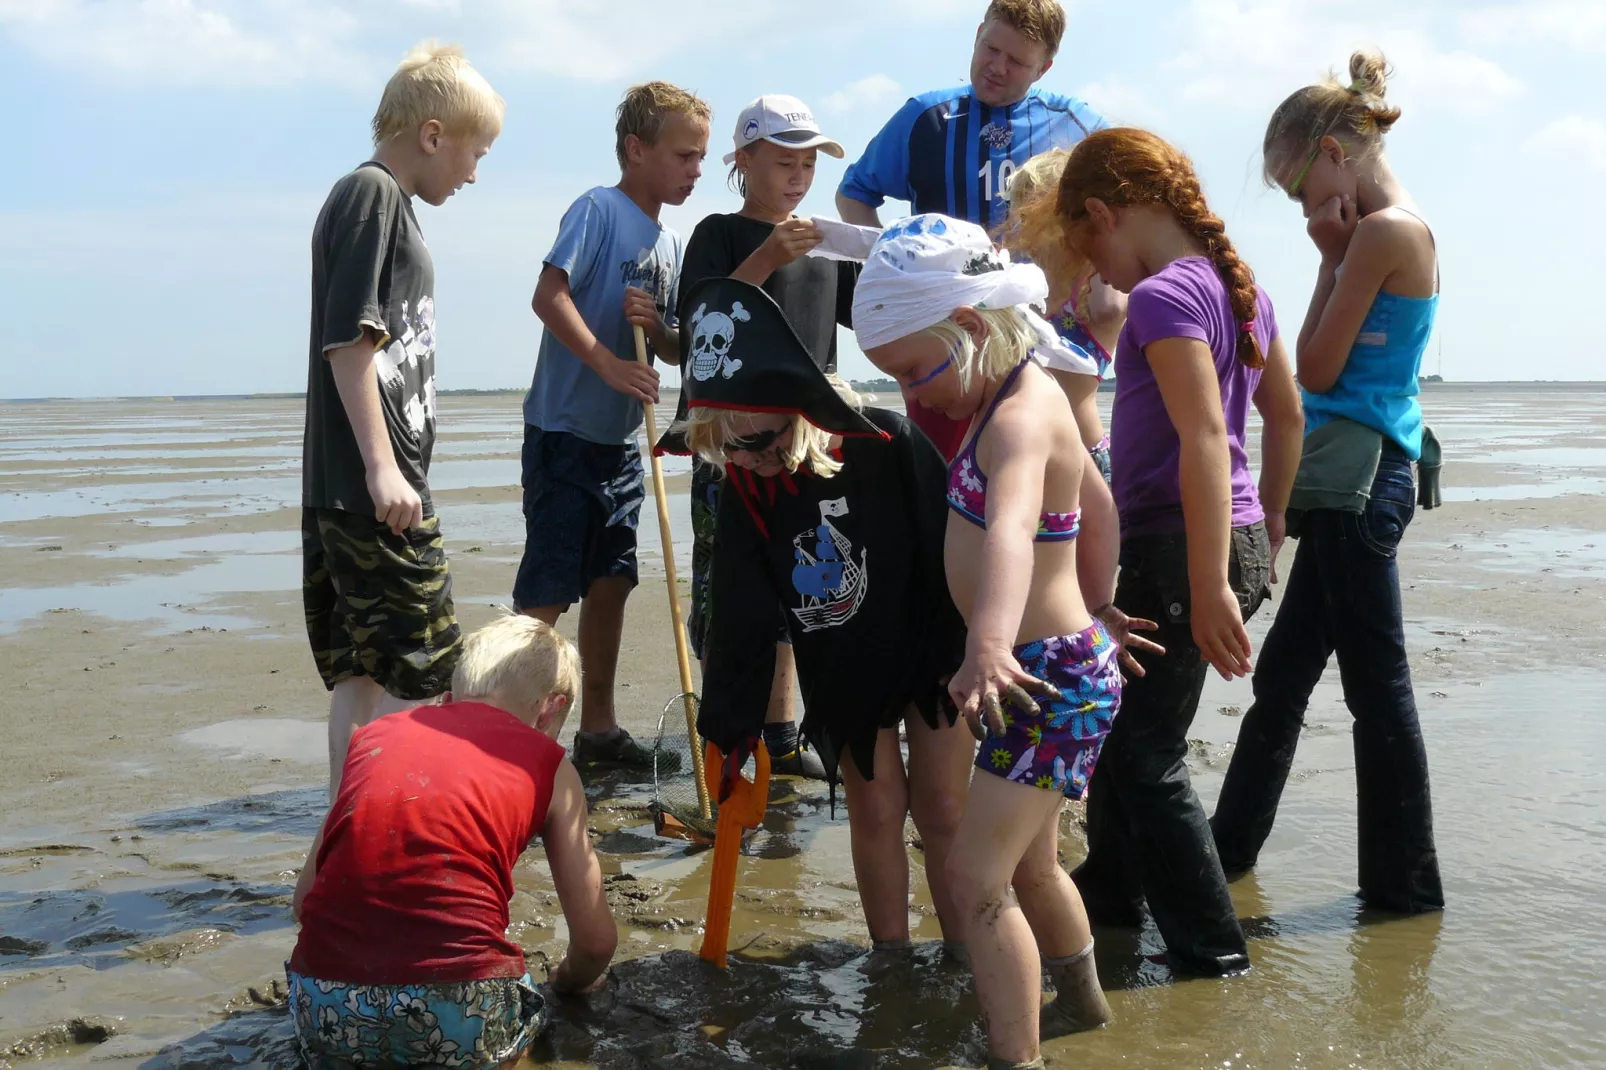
(682, 650)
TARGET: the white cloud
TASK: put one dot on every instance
(1575, 138)
(1251, 53)
(874, 92)
(1121, 103)
(249, 42)
(1580, 24)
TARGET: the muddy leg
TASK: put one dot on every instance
(1001, 821)
(939, 779)
(876, 812)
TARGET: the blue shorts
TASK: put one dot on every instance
(470, 1024)
(1056, 748)
(581, 504)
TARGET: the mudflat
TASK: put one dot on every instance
(163, 766)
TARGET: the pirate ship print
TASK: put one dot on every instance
(830, 584)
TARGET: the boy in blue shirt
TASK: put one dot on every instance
(612, 267)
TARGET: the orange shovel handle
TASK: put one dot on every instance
(744, 809)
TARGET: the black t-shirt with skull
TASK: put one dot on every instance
(371, 272)
(815, 294)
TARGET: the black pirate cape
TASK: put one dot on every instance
(854, 560)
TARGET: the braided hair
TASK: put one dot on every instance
(1124, 167)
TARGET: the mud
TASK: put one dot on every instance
(162, 775)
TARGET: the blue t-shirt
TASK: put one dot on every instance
(946, 152)
(605, 243)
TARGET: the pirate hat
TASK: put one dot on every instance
(738, 352)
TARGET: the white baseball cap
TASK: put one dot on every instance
(785, 121)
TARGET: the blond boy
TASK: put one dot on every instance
(403, 957)
(613, 265)
(376, 589)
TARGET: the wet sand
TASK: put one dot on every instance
(163, 772)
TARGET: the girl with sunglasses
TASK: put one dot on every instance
(834, 514)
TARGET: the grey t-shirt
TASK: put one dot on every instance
(370, 270)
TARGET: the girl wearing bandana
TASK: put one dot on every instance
(1031, 544)
(835, 515)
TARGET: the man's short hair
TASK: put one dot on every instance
(517, 659)
(434, 81)
(1042, 21)
(645, 108)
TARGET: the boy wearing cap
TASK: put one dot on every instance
(777, 143)
(613, 266)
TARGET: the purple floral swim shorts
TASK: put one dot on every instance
(1057, 747)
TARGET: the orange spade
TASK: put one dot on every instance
(743, 810)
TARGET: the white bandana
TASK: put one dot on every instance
(924, 267)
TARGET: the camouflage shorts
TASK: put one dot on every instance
(378, 604)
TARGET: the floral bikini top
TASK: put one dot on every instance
(967, 483)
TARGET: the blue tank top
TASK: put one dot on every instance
(1378, 386)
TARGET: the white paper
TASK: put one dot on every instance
(844, 241)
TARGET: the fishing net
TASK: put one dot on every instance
(677, 809)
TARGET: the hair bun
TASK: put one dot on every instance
(1369, 73)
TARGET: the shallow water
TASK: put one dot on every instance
(179, 916)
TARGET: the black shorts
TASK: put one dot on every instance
(581, 504)
(379, 604)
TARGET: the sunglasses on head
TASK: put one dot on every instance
(755, 443)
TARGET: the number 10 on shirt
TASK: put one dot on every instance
(1006, 171)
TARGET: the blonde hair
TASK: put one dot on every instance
(434, 81)
(1010, 339)
(1034, 229)
(1358, 114)
(517, 659)
(1042, 21)
(645, 107)
(708, 430)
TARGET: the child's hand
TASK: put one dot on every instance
(396, 504)
(791, 240)
(986, 680)
(629, 377)
(641, 311)
(1276, 534)
(1331, 226)
(1121, 628)
(1218, 631)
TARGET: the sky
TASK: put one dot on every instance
(166, 158)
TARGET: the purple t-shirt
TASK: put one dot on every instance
(1185, 299)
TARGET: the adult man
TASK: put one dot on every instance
(953, 151)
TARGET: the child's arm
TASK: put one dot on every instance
(1104, 311)
(1017, 463)
(309, 873)
(642, 311)
(788, 242)
(593, 936)
(1282, 440)
(1186, 374)
(1098, 547)
(396, 503)
(554, 304)
(1368, 251)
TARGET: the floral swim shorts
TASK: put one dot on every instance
(469, 1024)
(1057, 747)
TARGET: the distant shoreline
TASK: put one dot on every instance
(1534, 386)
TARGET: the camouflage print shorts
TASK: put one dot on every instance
(378, 604)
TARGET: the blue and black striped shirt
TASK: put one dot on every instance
(947, 152)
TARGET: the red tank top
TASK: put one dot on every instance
(946, 434)
(416, 869)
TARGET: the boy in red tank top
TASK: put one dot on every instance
(403, 957)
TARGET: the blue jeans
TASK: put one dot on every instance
(1343, 596)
